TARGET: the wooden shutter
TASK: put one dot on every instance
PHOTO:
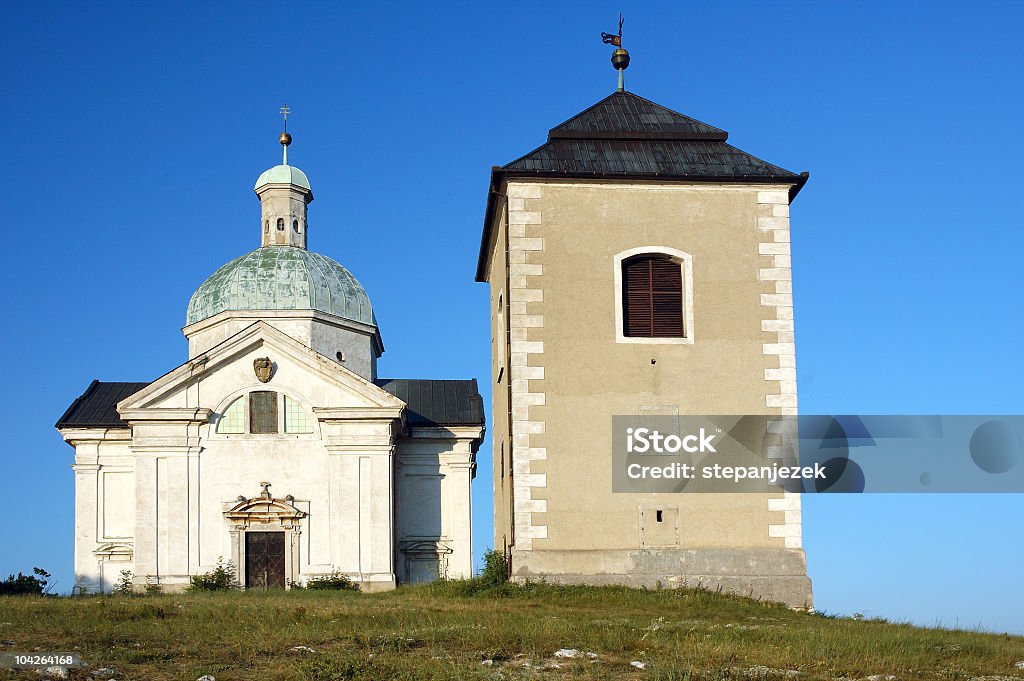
(652, 297)
(262, 412)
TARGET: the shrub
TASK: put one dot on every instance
(334, 581)
(495, 570)
(220, 578)
(23, 585)
(124, 584)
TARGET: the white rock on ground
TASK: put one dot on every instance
(488, 663)
(567, 652)
(767, 672)
(103, 673)
(303, 649)
(207, 677)
(638, 664)
(1019, 665)
(54, 672)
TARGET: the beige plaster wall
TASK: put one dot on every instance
(577, 376)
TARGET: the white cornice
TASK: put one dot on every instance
(165, 414)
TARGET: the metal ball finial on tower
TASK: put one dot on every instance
(285, 139)
(620, 57)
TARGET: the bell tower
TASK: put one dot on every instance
(639, 265)
(284, 193)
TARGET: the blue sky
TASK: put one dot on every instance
(134, 132)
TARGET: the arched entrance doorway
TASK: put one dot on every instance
(265, 540)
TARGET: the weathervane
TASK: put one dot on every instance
(620, 57)
(285, 138)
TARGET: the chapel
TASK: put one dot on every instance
(276, 446)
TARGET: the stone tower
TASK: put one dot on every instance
(637, 262)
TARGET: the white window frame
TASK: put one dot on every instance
(685, 261)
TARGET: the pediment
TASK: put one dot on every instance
(237, 363)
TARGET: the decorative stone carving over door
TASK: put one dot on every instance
(268, 520)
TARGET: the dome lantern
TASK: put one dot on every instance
(284, 194)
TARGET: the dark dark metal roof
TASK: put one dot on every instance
(626, 115)
(624, 135)
(627, 137)
(636, 158)
(431, 402)
(97, 406)
(437, 402)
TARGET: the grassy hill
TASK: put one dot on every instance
(461, 631)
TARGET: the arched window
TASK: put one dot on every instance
(295, 418)
(280, 224)
(266, 226)
(264, 412)
(653, 296)
(295, 226)
(233, 418)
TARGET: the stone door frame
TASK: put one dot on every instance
(265, 514)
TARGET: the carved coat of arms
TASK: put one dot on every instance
(264, 368)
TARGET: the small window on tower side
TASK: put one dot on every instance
(280, 224)
(266, 226)
(295, 226)
(262, 412)
(652, 297)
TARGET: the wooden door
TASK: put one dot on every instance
(264, 560)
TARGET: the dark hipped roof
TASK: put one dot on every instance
(97, 406)
(625, 136)
(436, 402)
(629, 136)
(430, 402)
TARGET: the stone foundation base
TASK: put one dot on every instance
(777, 575)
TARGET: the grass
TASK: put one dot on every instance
(449, 631)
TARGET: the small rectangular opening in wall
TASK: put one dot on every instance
(659, 527)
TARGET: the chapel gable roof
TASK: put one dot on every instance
(430, 403)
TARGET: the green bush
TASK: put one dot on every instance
(495, 570)
(334, 581)
(124, 584)
(24, 585)
(220, 578)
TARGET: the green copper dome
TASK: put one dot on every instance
(281, 278)
(283, 175)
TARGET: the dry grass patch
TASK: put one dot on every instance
(463, 630)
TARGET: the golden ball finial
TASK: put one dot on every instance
(285, 139)
(620, 59)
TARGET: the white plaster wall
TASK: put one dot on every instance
(326, 335)
(104, 506)
(162, 488)
(434, 500)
